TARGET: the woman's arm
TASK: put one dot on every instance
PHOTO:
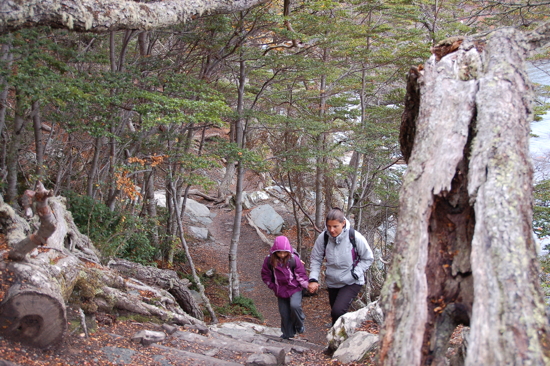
(316, 258)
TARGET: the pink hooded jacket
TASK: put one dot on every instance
(282, 279)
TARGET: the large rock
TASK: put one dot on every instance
(266, 218)
(261, 359)
(197, 212)
(199, 232)
(348, 323)
(355, 347)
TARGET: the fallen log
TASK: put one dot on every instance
(163, 278)
(57, 265)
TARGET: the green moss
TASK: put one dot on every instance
(86, 288)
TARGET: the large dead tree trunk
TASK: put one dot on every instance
(465, 252)
(58, 264)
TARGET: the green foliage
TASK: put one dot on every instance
(240, 306)
(545, 266)
(541, 209)
(115, 234)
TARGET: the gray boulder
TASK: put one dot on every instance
(266, 218)
(197, 212)
(348, 323)
(199, 232)
(355, 347)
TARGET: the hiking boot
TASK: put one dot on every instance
(301, 330)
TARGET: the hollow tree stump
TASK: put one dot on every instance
(33, 311)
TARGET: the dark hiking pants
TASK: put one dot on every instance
(292, 316)
(340, 300)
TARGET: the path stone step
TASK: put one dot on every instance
(239, 344)
(191, 358)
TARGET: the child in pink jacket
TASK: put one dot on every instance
(285, 274)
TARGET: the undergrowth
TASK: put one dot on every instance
(240, 306)
(115, 233)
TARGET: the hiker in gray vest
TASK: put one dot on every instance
(348, 256)
(285, 274)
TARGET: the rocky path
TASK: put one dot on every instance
(251, 253)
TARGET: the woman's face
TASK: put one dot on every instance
(282, 255)
(335, 227)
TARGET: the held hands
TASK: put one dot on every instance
(313, 287)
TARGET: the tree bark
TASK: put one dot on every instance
(165, 279)
(109, 15)
(509, 325)
(464, 251)
(47, 223)
(234, 283)
(12, 159)
(6, 56)
(38, 136)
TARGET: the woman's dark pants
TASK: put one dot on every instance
(340, 300)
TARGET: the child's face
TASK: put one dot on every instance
(282, 255)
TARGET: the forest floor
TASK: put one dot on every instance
(76, 349)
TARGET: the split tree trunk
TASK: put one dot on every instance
(33, 310)
(465, 252)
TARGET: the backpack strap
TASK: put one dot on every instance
(351, 233)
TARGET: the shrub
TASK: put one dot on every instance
(115, 234)
(241, 306)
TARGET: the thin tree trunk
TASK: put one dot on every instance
(196, 278)
(151, 204)
(94, 167)
(6, 57)
(464, 251)
(320, 173)
(234, 290)
(13, 150)
(143, 43)
(37, 124)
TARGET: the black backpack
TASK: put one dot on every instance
(355, 254)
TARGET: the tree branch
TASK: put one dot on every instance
(110, 15)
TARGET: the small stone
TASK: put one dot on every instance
(169, 329)
(147, 337)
